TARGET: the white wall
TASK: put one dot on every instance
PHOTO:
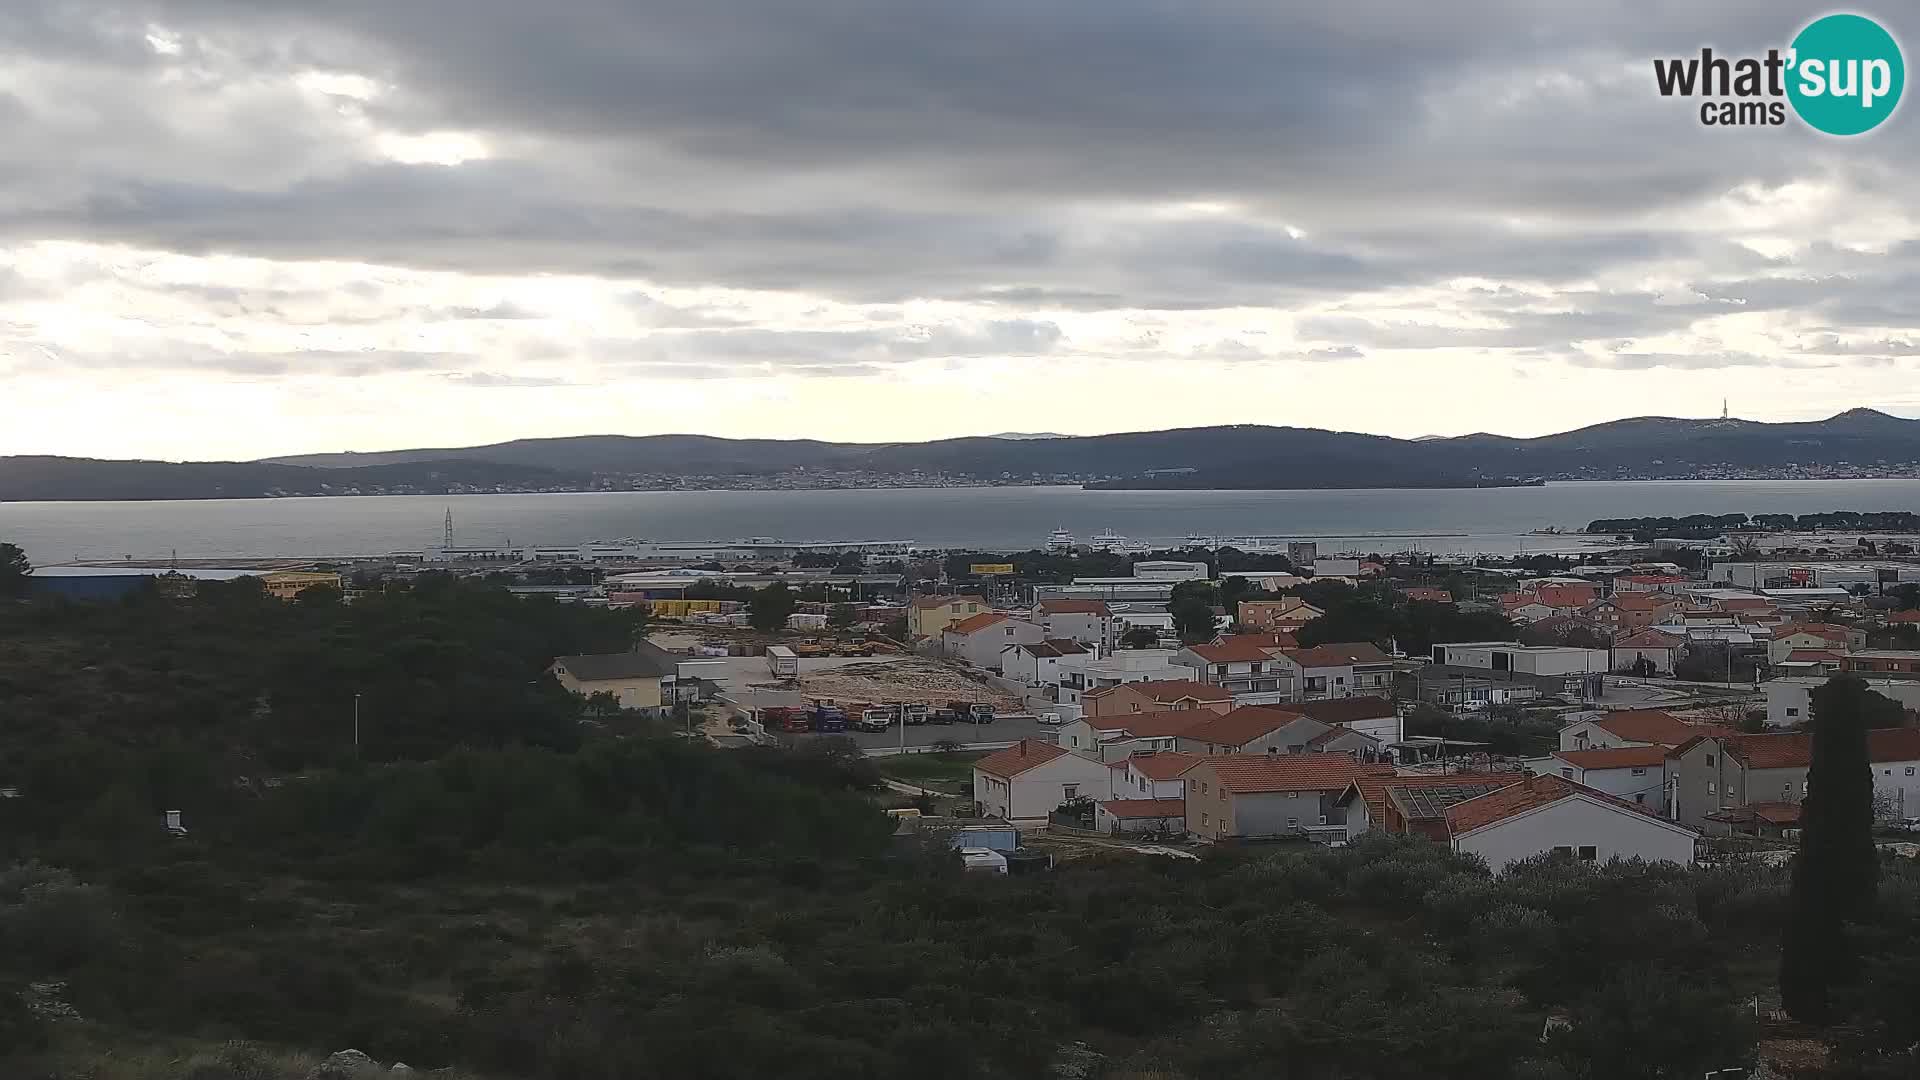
(1648, 786)
(1036, 792)
(1574, 822)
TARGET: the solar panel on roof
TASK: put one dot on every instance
(1431, 802)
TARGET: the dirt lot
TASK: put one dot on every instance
(912, 679)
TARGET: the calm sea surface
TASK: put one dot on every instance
(1481, 520)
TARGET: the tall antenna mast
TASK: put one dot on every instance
(1723, 411)
(449, 539)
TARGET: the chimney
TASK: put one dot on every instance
(173, 823)
(1023, 748)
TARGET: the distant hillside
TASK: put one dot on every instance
(1240, 456)
(28, 479)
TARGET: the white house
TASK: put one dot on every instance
(1637, 774)
(1152, 775)
(1656, 647)
(1043, 663)
(1028, 780)
(1245, 664)
(1337, 671)
(1089, 622)
(1553, 814)
(1119, 667)
(978, 640)
(1118, 737)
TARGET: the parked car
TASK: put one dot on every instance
(1048, 719)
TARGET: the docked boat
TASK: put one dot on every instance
(1060, 540)
(1107, 540)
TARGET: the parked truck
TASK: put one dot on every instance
(781, 718)
(875, 718)
(829, 718)
(783, 662)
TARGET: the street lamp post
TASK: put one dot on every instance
(356, 725)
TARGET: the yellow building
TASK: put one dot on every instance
(287, 584)
(931, 615)
(637, 679)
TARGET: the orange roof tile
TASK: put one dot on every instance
(1021, 757)
(1654, 726)
(1903, 617)
(1794, 750)
(974, 623)
(1338, 655)
(1146, 808)
(1623, 757)
(1242, 725)
(1153, 724)
(1164, 690)
(1530, 794)
(1258, 773)
(1074, 607)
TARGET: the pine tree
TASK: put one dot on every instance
(14, 571)
(1837, 869)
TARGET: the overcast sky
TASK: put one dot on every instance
(233, 228)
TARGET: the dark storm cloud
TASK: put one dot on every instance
(1032, 155)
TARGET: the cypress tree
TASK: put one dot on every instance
(1836, 869)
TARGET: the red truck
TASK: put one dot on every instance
(781, 718)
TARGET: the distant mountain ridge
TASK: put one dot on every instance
(1229, 457)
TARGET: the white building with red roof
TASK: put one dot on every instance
(1637, 774)
(979, 639)
(1553, 814)
(1029, 780)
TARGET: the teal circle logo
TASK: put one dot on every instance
(1845, 74)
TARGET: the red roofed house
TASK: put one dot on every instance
(1337, 671)
(1903, 618)
(1817, 637)
(1427, 596)
(1637, 774)
(1115, 738)
(1625, 612)
(1088, 622)
(1153, 695)
(1632, 727)
(1242, 664)
(1413, 805)
(1711, 774)
(929, 615)
(1257, 796)
(1120, 816)
(1656, 647)
(1552, 814)
(1253, 729)
(1288, 614)
(1029, 780)
(978, 640)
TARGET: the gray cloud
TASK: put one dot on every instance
(1032, 156)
